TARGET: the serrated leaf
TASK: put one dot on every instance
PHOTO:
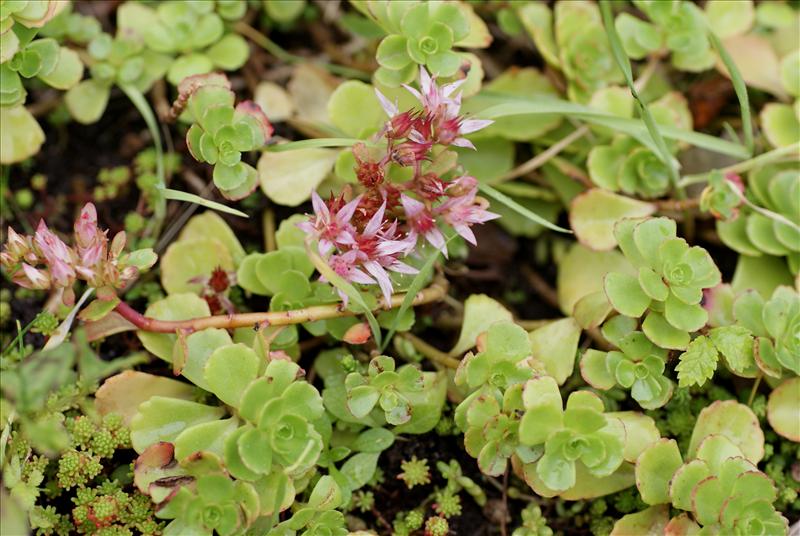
(735, 343)
(697, 363)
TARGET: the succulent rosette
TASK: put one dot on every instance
(579, 433)
(670, 282)
(638, 365)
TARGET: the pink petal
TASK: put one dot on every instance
(387, 105)
(382, 277)
(425, 81)
(466, 233)
(414, 92)
(463, 142)
(320, 208)
(375, 222)
(452, 86)
(411, 206)
(36, 277)
(345, 213)
(436, 239)
(356, 275)
(402, 268)
(473, 125)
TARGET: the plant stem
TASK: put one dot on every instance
(542, 158)
(776, 155)
(676, 205)
(764, 212)
(432, 293)
(276, 50)
(754, 390)
(432, 353)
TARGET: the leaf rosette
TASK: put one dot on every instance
(638, 365)
(670, 283)
(578, 434)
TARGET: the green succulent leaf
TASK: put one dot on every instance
(655, 468)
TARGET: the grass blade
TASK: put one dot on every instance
(624, 63)
(516, 207)
(312, 143)
(177, 195)
(739, 86)
(149, 117)
(507, 106)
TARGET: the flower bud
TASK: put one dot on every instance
(357, 334)
(117, 244)
(31, 277)
(16, 245)
(86, 226)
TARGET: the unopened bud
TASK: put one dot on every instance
(16, 244)
(357, 334)
(118, 244)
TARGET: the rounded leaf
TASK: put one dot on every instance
(783, 409)
(229, 371)
(22, 136)
(654, 469)
(594, 213)
(626, 294)
(735, 421)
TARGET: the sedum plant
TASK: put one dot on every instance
(719, 484)
(675, 25)
(769, 224)
(193, 33)
(23, 56)
(220, 132)
(213, 504)
(670, 281)
(571, 38)
(489, 415)
(44, 261)
(422, 34)
(385, 387)
(638, 365)
(774, 325)
(627, 166)
(491, 427)
(115, 61)
(579, 433)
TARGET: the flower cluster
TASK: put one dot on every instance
(367, 237)
(44, 261)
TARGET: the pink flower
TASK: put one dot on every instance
(90, 240)
(32, 278)
(345, 267)
(422, 222)
(16, 245)
(463, 211)
(436, 100)
(86, 225)
(330, 230)
(451, 131)
(58, 256)
(378, 251)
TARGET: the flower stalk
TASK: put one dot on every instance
(433, 293)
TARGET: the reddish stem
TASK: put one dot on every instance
(434, 292)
